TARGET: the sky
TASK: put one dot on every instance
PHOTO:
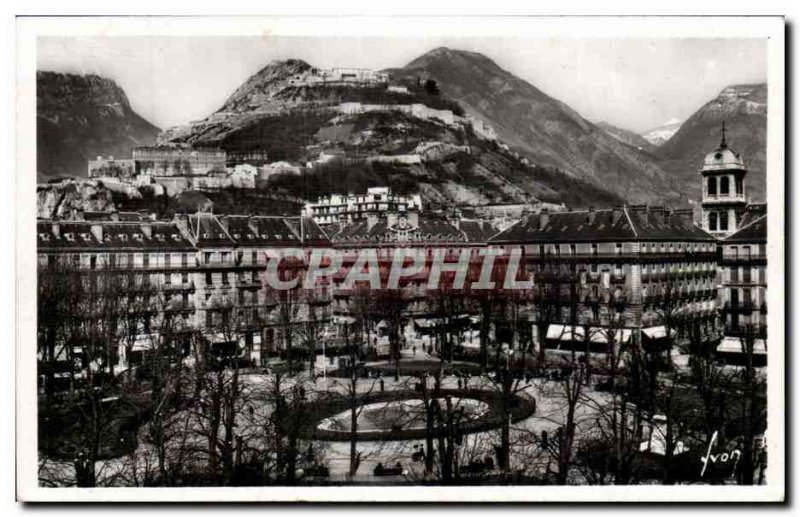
(635, 84)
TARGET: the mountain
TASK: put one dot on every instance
(348, 136)
(628, 137)
(659, 135)
(743, 108)
(79, 117)
(541, 128)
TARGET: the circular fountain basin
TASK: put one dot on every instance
(400, 415)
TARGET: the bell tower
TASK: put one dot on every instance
(724, 190)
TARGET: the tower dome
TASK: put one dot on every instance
(723, 158)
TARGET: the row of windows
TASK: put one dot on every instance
(748, 274)
(724, 186)
(224, 277)
(652, 247)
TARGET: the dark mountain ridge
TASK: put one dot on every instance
(543, 129)
(80, 117)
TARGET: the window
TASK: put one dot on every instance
(747, 274)
(209, 278)
(168, 260)
(723, 222)
(712, 221)
(185, 277)
(185, 300)
(712, 186)
(618, 247)
(254, 257)
(572, 249)
(734, 274)
(746, 297)
(207, 257)
(224, 278)
(167, 278)
(724, 186)
(594, 268)
(739, 186)
(146, 260)
(184, 260)
(93, 261)
(209, 319)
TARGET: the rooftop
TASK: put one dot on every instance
(638, 223)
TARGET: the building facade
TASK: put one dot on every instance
(628, 272)
(343, 209)
(178, 161)
(743, 292)
(199, 278)
(102, 167)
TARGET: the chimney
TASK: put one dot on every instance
(56, 228)
(372, 220)
(544, 218)
(591, 215)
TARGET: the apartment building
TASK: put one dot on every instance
(743, 293)
(199, 278)
(627, 272)
(125, 271)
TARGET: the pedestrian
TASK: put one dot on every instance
(381, 383)
(414, 348)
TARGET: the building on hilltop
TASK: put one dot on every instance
(178, 161)
(119, 169)
(341, 209)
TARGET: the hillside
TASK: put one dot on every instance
(743, 108)
(541, 128)
(629, 137)
(285, 112)
(80, 117)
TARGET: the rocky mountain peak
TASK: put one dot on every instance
(262, 85)
(89, 89)
(80, 117)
